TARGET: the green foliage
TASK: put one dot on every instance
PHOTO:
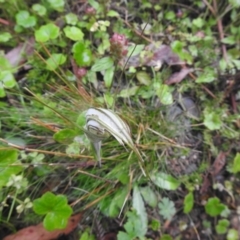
(207, 225)
(208, 75)
(56, 209)
(39, 9)
(7, 79)
(108, 77)
(71, 18)
(166, 237)
(198, 22)
(128, 92)
(87, 235)
(164, 93)
(214, 207)
(57, 5)
(117, 202)
(165, 181)
(94, 4)
(109, 100)
(102, 64)
(222, 226)
(112, 205)
(9, 165)
(24, 205)
(133, 228)
(100, 25)
(5, 37)
(73, 33)
(65, 135)
(188, 202)
(73, 148)
(24, 19)
(82, 54)
(232, 234)
(134, 50)
(123, 178)
(236, 163)
(18, 182)
(155, 225)
(177, 47)
(139, 93)
(81, 120)
(235, 3)
(212, 119)
(47, 32)
(167, 208)
(143, 78)
(139, 206)
(149, 196)
(32, 157)
(55, 61)
(170, 15)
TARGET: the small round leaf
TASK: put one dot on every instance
(55, 60)
(47, 32)
(73, 33)
(25, 20)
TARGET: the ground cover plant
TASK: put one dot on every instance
(119, 120)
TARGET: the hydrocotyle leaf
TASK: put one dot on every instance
(73, 33)
(82, 54)
(25, 20)
(212, 120)
(7, 79)
(55, 60)
(39, 9)
(58, 5)
(47, 32)
(214, 207)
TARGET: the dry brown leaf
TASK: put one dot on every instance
(17, 55)
(178, 76)
(109, 236)
(218, 164)
(206, 184)
(4, 22)
(38, 232)
(153, 55)
(162, 53)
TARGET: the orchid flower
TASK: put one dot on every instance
(101, 123)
